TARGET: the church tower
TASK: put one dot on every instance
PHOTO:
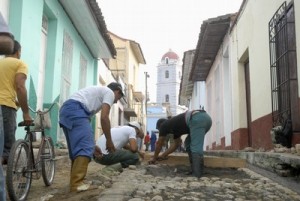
(169, 72)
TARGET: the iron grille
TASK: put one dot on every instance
(280, 85)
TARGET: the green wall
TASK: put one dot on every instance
(25, 21)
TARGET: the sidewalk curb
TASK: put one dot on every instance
(283, 164)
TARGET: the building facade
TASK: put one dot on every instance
(127, 68)
(61, 52)
(169, 72)
(249, 63)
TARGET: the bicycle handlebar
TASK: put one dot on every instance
(43, 112)
(23, 123)
(39, 112)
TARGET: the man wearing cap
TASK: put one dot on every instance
(74, 118)
(195, 123)
(124, 139)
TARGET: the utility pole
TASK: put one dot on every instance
(146, 92)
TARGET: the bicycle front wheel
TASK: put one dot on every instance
(18, 174)
(48, 161)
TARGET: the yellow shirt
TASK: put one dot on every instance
(9, 67)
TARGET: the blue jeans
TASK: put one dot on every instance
(2, 179)
(125, 157)
(199, 125)
(9, 116)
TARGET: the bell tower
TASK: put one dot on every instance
(169, 72)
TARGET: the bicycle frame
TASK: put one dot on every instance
(22, 162)
(34, 161)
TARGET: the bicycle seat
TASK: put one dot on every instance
(22, 123)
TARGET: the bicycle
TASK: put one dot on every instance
(22, 165)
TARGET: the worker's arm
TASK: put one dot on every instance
(105, 124)
(158, 148)
(170, 150)
(132, 145)
(21, 92)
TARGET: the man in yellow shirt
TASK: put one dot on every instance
(13, 94)
(6, 47)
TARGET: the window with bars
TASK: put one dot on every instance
(283, 65)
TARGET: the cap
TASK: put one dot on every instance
(135, 124)
(116, 86)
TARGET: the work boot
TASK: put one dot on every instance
(190, 172)
(78, 173)
(197, 164)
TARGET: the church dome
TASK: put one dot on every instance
(171, 55)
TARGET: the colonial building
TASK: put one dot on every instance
(127, 69)
(249, 63)
(168, 82)
(60, 49)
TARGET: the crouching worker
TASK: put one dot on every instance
(124, 140)
(195, 124)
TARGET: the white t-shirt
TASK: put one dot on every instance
(93, 97)
(120, 137)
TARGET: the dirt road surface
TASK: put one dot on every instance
(59, 190)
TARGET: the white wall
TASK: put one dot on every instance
(250, 38)
(4, 6)
(297, 16)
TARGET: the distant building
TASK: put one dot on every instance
(169, 72)
(154, 112)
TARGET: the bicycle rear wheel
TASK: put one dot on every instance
(48, 161)
(18, 174)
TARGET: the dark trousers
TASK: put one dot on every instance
(9, 126)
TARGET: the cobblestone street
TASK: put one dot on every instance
(166, 182)
(160, 182)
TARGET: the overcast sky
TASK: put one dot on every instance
(160, 25)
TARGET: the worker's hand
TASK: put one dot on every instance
(162, 158)
(97, 152)
(152, 161)
(142, 155)
(110, 146)
(27, 119)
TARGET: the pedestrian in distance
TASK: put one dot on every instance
(125, 142)
(147, 141)
(195, 124)
(153, 141)
(75, 115)
(13, 94)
